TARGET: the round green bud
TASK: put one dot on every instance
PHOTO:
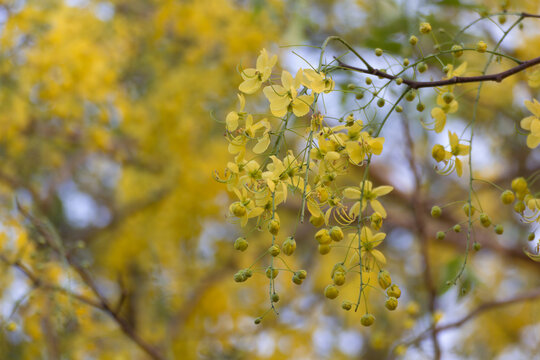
(367, 320)
(468, 210)
(420, 107)
(289, 246)
(324, 249)
(399, 109)
(391, 303)
(485, 220)
(519, 185)
(425, 28)
(380, 102)
(339, 278)
(346, 305)
(410, 96)
(422, 67)
(351, 86)
(317, 221)
(368, 81)
(323, 237)
(507, 197)
(384, 279)
(399, 81)
(274, 298)
(378, 52)
(457, 228)
(302, 274)
(499, 229)
(331, 292)
(248, 273)
(273, 226)
(441, 235)
(240, 244)
(436, 211)
(257, 321)
(448, 97)
(336, 233)
(296, 280)
(271, 273)
(519, 207)
(274, 250)
(502, 19)
(531, 236)
(445, 69)
(413, 40)
(360, 95)
(237, 209)
(406, 62)
(240, 276)
(11, 326)
(457, 50)
(481, 47)
(394, 291)
(477, 246)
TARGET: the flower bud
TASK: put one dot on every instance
(420, 107)
(441, 235)
(399, 109)
(394, 291)
(324, 249)
(302, 274)
(367, 320)
(410, 96)
(468, 210)
(368, 81)
(346, 305)
(457, 228)
(296, 280)
(271, 273)
(448, 97)
(274, 250)
(257, 321)
(485, 220)
(237, 209)
(380, 102)
(331, 292)
(399, 81)
(336, 233)
(274, 298)
(241, 244)
(384, 279)
(406, 62)
(378, 52)
(413, 40)
(376, 220)
(458, 51)
(519, 185)
(11, 326)
(507, 197)
(289, 246)
(391, 303)
(323, 237)
(425, 28)
(481, 47)
(531, 236)
(477, 246)
(317, 221)
(499, 229)
(422, 67)
(436, 211)
(273, 226)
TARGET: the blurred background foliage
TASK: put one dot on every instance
(111, 125)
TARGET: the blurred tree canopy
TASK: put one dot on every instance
(117, 242)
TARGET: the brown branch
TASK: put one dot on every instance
(498, 77)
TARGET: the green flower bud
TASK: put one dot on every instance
(531, 236)
(399, 109)
(368, 81)
(394, 291)
(422, 67)
(413, 40)
(317, 221)
(296, 280)
(441, 235)
(502, 19)
(271, 273)
(273, 226)
(302, 274)
(367, 320)
(351, 86)
(507, 197)
(481, 47)
(519, 185)
(360, 95)
(380, 102)
(378, 52)
(406, 62)
(499, 229)
(399, 81)
(425, 28)
(289, 246)
(477, 246)
(457, 228)
(346, 305)
(323, 237)
(339, 278)
(384, 279)
(336, 233)
(237, 209)
(485, 220)
(331, 292)
(420, 107)
(468, 210)
(257, 321)
(274, 298)
(410, 96)
(324, 249)
(448, 97)
(391, 303)
(519, 207)
(436, 211)
(274, 250)
(241, 244)
(458, 51)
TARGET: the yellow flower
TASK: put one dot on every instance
(253, 78)
(284, 97)
(246, 205)
(237, 145)
(286, 172)
(318, 82)
(368, 243)
(450, 158)
(370, 195)
(361, 144)
(532, 123)
(231, 120)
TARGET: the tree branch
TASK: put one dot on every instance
(498, 77)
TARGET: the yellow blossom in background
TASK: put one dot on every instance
(532, 123)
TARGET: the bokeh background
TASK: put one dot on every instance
(112, 124)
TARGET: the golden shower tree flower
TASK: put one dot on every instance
(532, 123)
(254, 78)
(370, 196)
(285, 97)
